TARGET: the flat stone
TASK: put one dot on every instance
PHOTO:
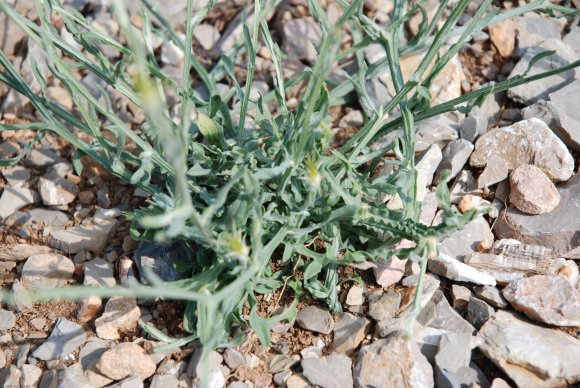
(124, 360)
(455, 155)
(315, 319)
(163, 381)
(92, 238)
(233, 358)
(72, 377)
(207, 35)
(532, 191)
(99, 272)
(478, 312)
(121, 313)
(539, 90)
(65, 338)
(567, 125)
(567, 270)
(300, 36)
(16, 176)
(42, 157)
(280, 362)
(559, 307)
(56, 191)
(495, 171)
(440, 315)
(30, 375)
(526, 142)
(353, 119)
(21, 252)
(542, 358)
(14, 199)
(503, 37)
(558, 230)
(454, 351)
(392, 362)
(355, 296)
(52, 219)
(22, 301)
(490, 295)
(426, 166)
(92, 351)
(384, 306)
(8, 148)
(10, 376)
(297, 381)
(46, 271)
(460, 296)
(453, 269)
(464, 242)
(333, 371)
(349, 332)
(472, 127)
(533, 29)
(7, 320)
(130, 382)
(390, 271)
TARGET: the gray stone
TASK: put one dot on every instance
(472, 127)
(300, 37)
(66, 337)
(56, 191)
(567, 116)
(426, 166)
(392, 362)
(72, 377)
(161, 260)
(378, 93)
(384, 306)
(390, 271)
(440, 315)
(42, 157)
(47, 271)
(22, 301)
(14, 199)
(349, 331)
(353, 119)
(207, 35)
(171, 54)
(99, 272)
(49, 379)
(121, 313)
(453, 269)
(490, 108)
(490, 295)
(10, 376)
(526, 142)
(7, 320)
(30, 375)
(315, 319)
(92, 238)
(333, 371)
(533, 29)
(532, 191)
(558, 230)
(455, 155)
(163, 381)
(8, 148)
(465, 184)
(92, 351)
(22, 354)
(496, 170)
(478, 312)
(539, 90)
(280, 362)
(454, 351)
(280, 378)
(233, 358)
(52, 219)
(196, 367)
(16, 176)
(460, 296)
(559, 307)
(532, 356)
(464, 242)
(131, 382)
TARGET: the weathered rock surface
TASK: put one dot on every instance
(55, 190)
(120, 313)
(455, 155)
(496, 170)
(502, 35)
(453, 269)
(546, 298)
(390, 271)
(526, 142)
(567, 114)
(490, 295)
(334, 371)
(440, 315)
(65, 338)
(384, 306)
(532, 191)
(349, 331)
(7, 320)
(92, 238)
(478, 312)
(16, 176)
(314, 318)
(300, 37)
(99, 272)
(47, 271)
(124, 360)
(392, 362)
(539, 358)
(558, 230)
(14, 199)
(464, 242)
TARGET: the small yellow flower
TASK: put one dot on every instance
(313, 175)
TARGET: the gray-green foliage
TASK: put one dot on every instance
(268, 206)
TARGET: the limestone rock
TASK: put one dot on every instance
(47, 271)
(496, 170)
(440, 315)
(389, 272)
(349, 331)
(455, 155)
(65, 338)
(56, 191)
(120, 313)
(464, 242)
(124, 360)
(314, 318)
(300, 36)
(532, 191)
(334, 371)
(14, 199)
(526, 142)
(453, 269)
(91, 238)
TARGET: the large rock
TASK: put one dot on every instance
(92, 238)
(539, 90)
(332, 371)
(546, 298)
(532, 191)
(532, 356)
(392, 362)
(526, 142)
(66, 337)
(558, 230)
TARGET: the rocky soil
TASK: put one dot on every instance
(501, 304)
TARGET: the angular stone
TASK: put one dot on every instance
(315, 319)
(478, 312)
(14, 199)
(280, 362)
(10, 376)
(16, 176)
(392, 362)
(130, 382)
(99, 272)
(490, 295)
(472, 127)
(349, 332)
(426, 166)
(460, 296)
(353, 119)
(52, 219)
(566, 269)
(161, 260)
(567, 125)
(300, 36)
(496, 170)
(171, 54)
(92, 238)
(390, 271)
(124, 360)
(196, 368)
(47, 271)
(65, 338)
(121, 313)
(542, 358)
(464, 242)
(7, 320)
(503, 37)
(533, 29)
(333, 371)
(30, 375)
(455, 155)
(546, 298)
(526, 142)
(355, 296)
(72, 377)
(539, 90)
(233, 358)
(454, 351)
(440, 315)
(453, 269)
(207, 35)
(532, 191)
(88, 308)
(56, 191)
(21, 252)
(558, 230)
(385, 306)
